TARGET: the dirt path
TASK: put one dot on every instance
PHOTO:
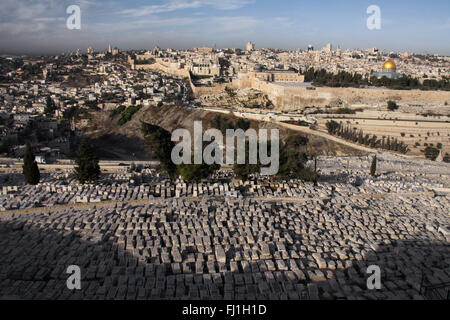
(321, 134)
(157, 200)
(326, 136)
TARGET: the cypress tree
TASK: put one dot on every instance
(30, 167)
(373, 167)
(50, 107)
(87, 169)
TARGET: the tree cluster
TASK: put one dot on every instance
(409, 83)
(126, 114)
(292, 162)
(74, 112)
(159, 142)
(372, 141)
(224, 124)
(431, 153)
(346, 79)
(114, 113)
(197, 172)
(328, 79)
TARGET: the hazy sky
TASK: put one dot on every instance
(39, 26)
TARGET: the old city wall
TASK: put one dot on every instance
(198, 91)
(207, 91)
(294, 98)
(158, 66)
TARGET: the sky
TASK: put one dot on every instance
(39, 26)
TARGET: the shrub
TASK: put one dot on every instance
(222, 124)
(303, 123)
(127, 115)
(296, 141)
(345, 111)
(230, 92)
(431, 153)
(392, 105)
(197, 172)
(117, 111)
(309, 175)
(332, 127)
(243, 124)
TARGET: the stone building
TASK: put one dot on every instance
(389, 71)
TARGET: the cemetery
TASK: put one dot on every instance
(137, 236)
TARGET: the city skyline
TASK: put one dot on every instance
(39, 27)
(135, 172)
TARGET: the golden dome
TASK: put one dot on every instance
(389, 65)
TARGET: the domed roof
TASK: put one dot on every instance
(389, 65)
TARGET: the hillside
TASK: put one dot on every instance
(114, 142)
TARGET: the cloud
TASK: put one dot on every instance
(141, 24)
(37, 18)
(283, 22)
(192, 25)
(446, 24)
(233, 24)
(176, 5)
(21, 9)
(49, 19)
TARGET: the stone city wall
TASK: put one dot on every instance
(290, 98)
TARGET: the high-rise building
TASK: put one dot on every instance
(250, 46)
(90, 50)
(110, 49)
(310, 48)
